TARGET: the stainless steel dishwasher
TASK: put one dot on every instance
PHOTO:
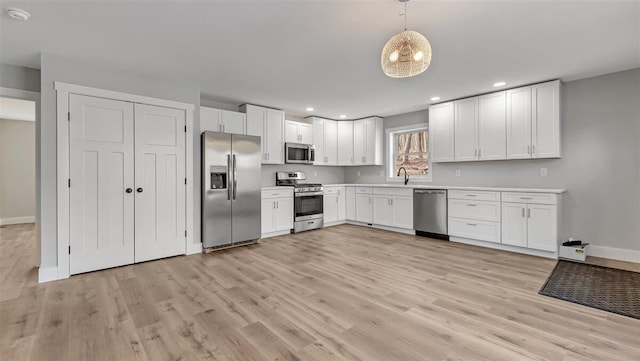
(430, 212)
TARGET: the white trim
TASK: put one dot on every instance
(20, 94)
(193, 248)
(385, 228)
(62, 98)
(505, 247)
(389, 175)
(17, 220)
(619, 254)
(116, 95)
(47, 274)
(276, 233)
(336, 223)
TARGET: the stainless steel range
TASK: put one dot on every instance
(308, 201)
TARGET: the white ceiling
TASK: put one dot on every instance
(17, 109)
(326, 54)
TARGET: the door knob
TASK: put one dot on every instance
(128, 190)
(139, 190)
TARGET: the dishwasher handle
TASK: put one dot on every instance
(424, 191)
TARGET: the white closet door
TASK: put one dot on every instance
(160, 182)
(101, 169)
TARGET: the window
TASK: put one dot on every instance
(409, 148)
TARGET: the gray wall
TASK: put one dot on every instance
(17, 168)
(315, 174)
(18, 77)
(57, 68)
(600, 167)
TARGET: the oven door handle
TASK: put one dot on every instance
(308, 194)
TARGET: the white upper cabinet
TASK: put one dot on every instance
(368, 141)
(545, 120)
(533, 121)
(268, 124)
(345, 143)
(466, 129)
(492, 126)
(521, 123)
(441, 132)
(296, 132)
(325, 141)
(225, 121)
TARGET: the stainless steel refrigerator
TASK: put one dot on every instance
(231, 194)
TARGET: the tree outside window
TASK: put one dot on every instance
(409, 148)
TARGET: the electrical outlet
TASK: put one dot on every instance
(358, 173)
(457, 172)
(543, 172)
(381, 173)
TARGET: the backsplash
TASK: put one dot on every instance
(315, 174)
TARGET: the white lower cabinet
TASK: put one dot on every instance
(350, 203)
(475, 229)
(364, 205)
(277, 211)
(474, 215)
(393, 207)
(530, 225)
(334, 204)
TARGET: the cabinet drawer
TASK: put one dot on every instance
(480, 230)
(475, 195)
(366, 190)
(477, 210)
(330, 190)
(267, 194)
(405, 192)
(537, 198)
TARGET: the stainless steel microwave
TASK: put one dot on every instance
(298, 153)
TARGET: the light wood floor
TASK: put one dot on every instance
(342, 293)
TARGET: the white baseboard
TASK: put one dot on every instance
(614, 253)
(277, 233)
(17, 220)
(47, 274)
(505, 247)
(194, 248)
(331, 224)
(392, 229)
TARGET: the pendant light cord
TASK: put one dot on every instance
(405, 15)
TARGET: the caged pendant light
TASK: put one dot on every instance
(407, 53)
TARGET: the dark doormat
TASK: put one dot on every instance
(599, 287)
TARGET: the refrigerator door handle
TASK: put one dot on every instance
(228, 169)
(235, 176)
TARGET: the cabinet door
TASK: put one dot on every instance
(402, 212)
(514, 224)
(441, 132)
(268, 208)
(364, 208)
(350, 203)
(370, 140)
(306, 133)
(330, 207)
(318, 141)
(283, 216)
(542, 228)
(466, 129)
(359, 135)
(341, 204)
(274, 136)
(210, 119)
(545, 120)
(382, 210)
(345, 143)
(255, 121)
(331, 142)
(492, 125)
(233, 122)
(519, 123)
(291, 134)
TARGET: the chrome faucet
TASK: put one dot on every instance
(406, 177)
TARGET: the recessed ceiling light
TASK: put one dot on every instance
(435, 98)
(18, 14)
(500, 83)
(342, 116)
(309, 109)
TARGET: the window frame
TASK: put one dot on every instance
(390, 135)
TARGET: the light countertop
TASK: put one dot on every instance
(426, 186)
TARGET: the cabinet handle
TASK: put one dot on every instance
(471, 205)
(533, 149)
(267, 156)
(480, 152)
(391, 201)
(220, 127)
(528, 212)
(223, 128)
(526, 198)
(522, 212)
(471, 224)
(528, 149)
(369, 200)
(274, 204)
(475, 152)
(471, 195)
